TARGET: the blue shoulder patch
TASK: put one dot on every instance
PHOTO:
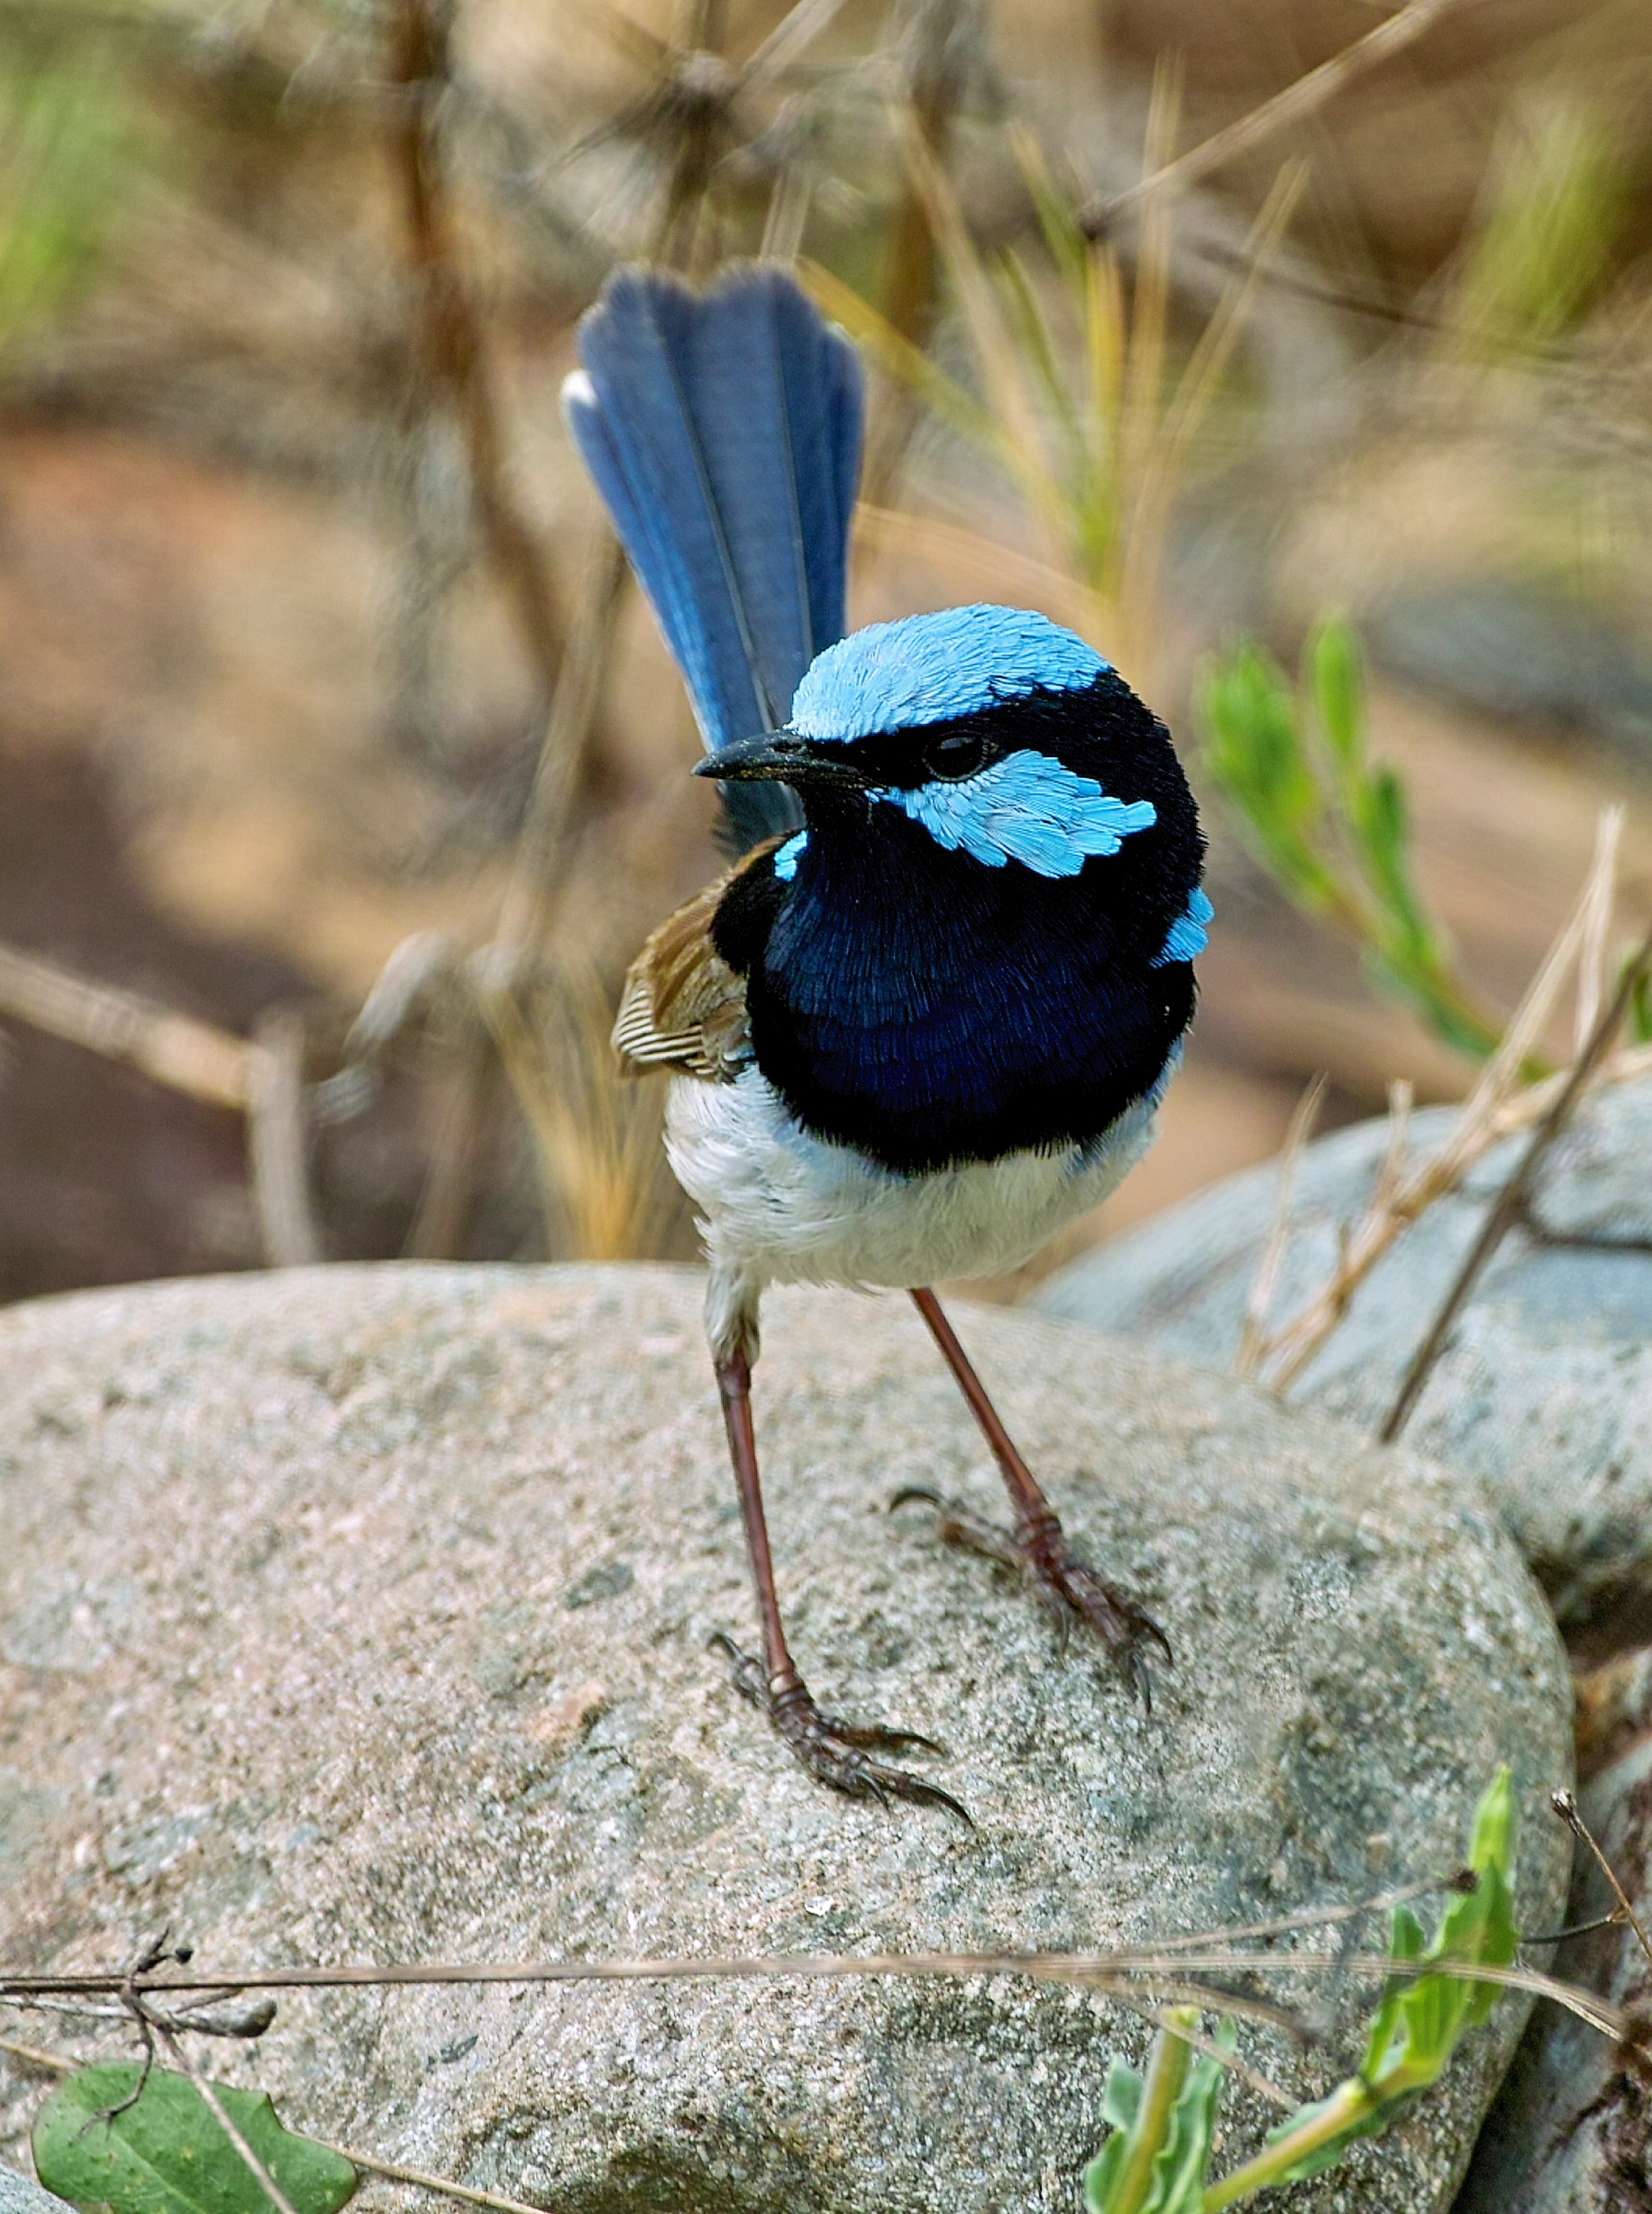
(1187, 939)
(932, 668)
(786, 856)
(1024, 807)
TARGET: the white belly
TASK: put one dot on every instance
(780, 1206)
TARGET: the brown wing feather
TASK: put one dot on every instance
(682, 1007)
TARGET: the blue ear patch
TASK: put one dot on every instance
(786, 856)
(1024, 807)
(932, 668)
(1187, 938)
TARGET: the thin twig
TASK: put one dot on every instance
(702, 86)
(450, 332)
(276, 1142)
(1296, 100)
(185, 1056)
(1253, 1338)
(1513, 1200)
(1565, 1807)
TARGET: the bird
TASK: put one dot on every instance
(926, 1015)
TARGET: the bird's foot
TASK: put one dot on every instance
(1068, 1588)
(840, 1754)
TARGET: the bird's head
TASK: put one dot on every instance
(1010, 742)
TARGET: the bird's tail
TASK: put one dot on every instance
(723, 430)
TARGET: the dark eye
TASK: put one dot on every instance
(953, 758)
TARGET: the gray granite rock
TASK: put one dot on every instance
(361, 1614)
(1571, 2131)
(20, 2194)
(1546, 1390)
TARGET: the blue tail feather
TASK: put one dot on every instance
(723, 430)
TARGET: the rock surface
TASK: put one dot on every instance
(1571, 2133)
(1546, 1390)
(20, 2194)
(361, 1614)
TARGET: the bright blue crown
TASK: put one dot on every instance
(932, 668)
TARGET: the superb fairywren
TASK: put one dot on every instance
(928, 1016)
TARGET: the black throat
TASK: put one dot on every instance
(930, 1011)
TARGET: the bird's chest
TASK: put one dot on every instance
(930, 1021)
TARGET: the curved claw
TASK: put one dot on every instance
(1067, 1588)
(874, 1736)
(836, 1751)
(853, 1773)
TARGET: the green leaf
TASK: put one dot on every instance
(168, 2154)
(1179, 2172)
(1336, 671)
(1121, 2095)
(1101, 2176)
(1253, 750)
(1175, 2181)
(1485, 1918)
(1406, 1942)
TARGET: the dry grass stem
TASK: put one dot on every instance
(1010, 402)
(1155, 476)
(937, 69)
(1597, 928)
(1133, 1972)
(795, 30)
(1515, 1198)
(1078, 403)
(1391, 1168)
(1253, 1337)
(32, 2056)
(1500, 1104)
(1296, 101)
(575, 703)
(466, 2193)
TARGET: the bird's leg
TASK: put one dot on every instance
(839, 1752)
(1068, 1587)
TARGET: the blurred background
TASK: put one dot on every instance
(341, 771)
